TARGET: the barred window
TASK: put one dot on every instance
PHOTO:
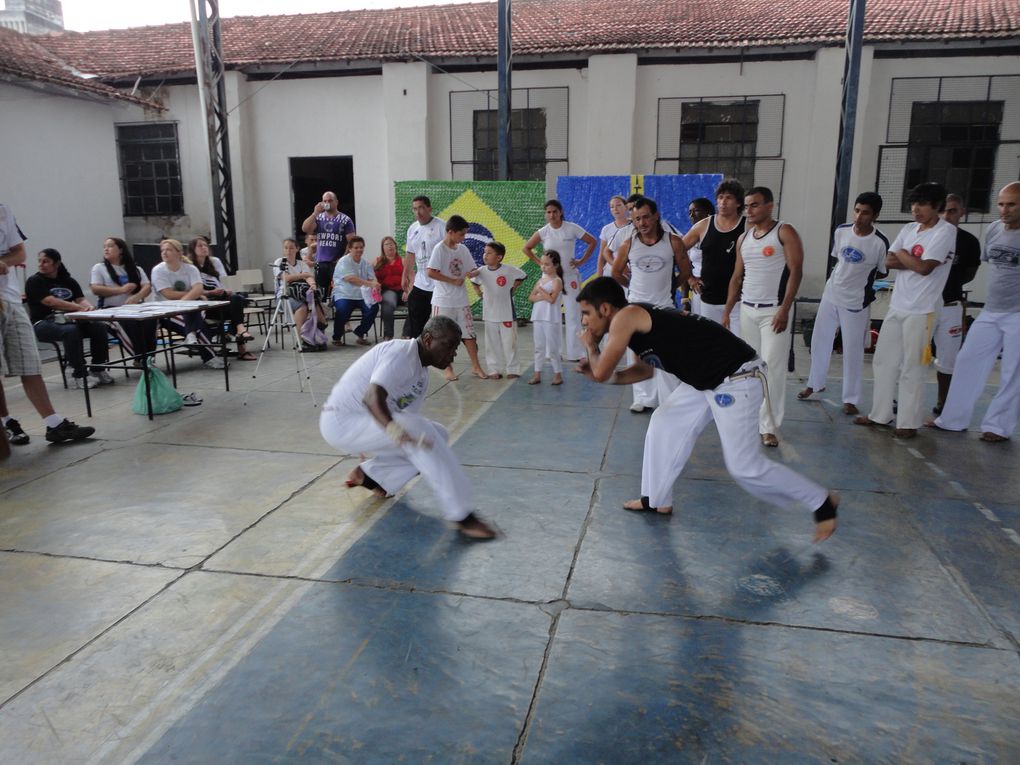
(150, 169)
(738, 137)
(962, 132)
(527, 137)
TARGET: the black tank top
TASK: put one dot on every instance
(718, 258)
(697, 350)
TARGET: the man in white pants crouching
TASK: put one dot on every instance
(719, 378)
(373, 409)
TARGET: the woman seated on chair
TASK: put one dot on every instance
(213, 273)
(351, 274)
(389, 271)
(51, 293)
(118, 281)
(298, 278)
(176, 279)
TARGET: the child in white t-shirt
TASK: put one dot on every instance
(546, 317)
(495, 285)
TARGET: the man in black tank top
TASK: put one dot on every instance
(717, 235)
(718, 380)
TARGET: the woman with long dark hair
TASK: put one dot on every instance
(213, 272)
(117, 281)
(389, 270)
(52, 292)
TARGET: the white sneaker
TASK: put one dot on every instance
(93, 382)
(104, 377)
(190, 339)
(637, 408)
(215, 362)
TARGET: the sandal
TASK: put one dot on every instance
(245, 338)
(642, 505)
(247, 356)
(191, 399)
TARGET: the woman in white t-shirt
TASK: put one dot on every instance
(119, 281)
(298, 277)
(561, 236)
(618, 209)
(176, 279)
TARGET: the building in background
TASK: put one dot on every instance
(32, 17)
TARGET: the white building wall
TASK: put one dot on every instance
(610, 115)
(60, 175)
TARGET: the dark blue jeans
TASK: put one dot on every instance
(72, 335)
(344, 308)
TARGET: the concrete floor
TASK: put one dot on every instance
(202, 589)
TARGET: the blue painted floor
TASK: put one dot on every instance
(304, 627)
(591, 635)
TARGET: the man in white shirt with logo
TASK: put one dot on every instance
(859, 250)
(996, 330)
(422, 237)
(373, 410)
(766, 276)
(923, 251)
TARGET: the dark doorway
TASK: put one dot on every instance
(310, 177)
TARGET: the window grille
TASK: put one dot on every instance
(150, 169)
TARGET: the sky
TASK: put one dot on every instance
(89, 15)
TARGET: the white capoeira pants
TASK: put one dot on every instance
(392, 466)
(901, 358)
(547, 336)
(948, 336)
(573, 350)
(715, 313)
(676, 424)
(656, 389)
(501, 347)
(774, 349)
(989, 334)
(854, 324)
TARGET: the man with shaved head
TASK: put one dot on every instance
(332, 230)
(995, 331)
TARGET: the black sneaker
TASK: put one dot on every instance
(15, 434)
(68, 431)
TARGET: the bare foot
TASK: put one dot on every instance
(905, 433)
(474, 527)
(495, 376)
(806, 393)
(357, 477)
(480, 374)
(449, 374)
(993, 438)
(825, 529)
(642, 505)
(850, 409)
(512, 377)
(864, 420)
(536, 379)
(769, 439)
(557, 379)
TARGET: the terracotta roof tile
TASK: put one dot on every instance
(24, 61)
(540, 27)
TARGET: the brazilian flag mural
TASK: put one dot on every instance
(505, 211)
(511, 211)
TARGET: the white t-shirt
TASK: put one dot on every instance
(10, 236)
(496, 284)
(299, 267)
(914, 293)
(1002, 251)
(564, 241)
(454, 263)
(180, 280)
(543, 310)
(422, 238)
(395, 366)
(101, 277)
(858, 259)
(346, 266)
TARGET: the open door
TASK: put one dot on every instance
(311, 177)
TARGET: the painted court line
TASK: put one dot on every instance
(987, 513)
(916, 453)
(959, 489)
(936, 469)
(1013, 535)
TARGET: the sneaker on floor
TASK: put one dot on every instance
(93, 382)
(191, 399)
(104, 377)
(15, 434)
(68, 431)
(216, 362)
(637, 408)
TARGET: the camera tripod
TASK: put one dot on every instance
(282, 321)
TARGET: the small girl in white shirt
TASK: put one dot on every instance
(545, 317)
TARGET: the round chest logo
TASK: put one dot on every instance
(851, 255)
(62, 293)
(456, 267)
(508, 324)
(917, 251)
(650, 264)
(573, 284)
(501, 281)
(723, 399)
(768, 251)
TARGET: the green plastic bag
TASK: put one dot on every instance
(165, 398)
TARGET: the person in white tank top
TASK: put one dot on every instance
(651, 253)
(770, 261)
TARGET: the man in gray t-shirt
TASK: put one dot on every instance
(996, 330)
